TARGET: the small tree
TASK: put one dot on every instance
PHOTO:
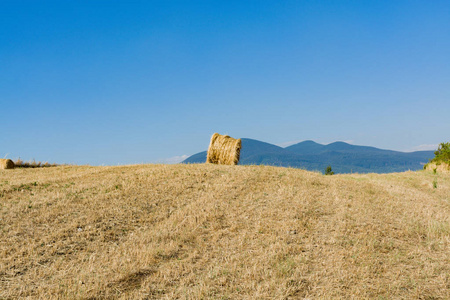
(442, 154)
(328, 171)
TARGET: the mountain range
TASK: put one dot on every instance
(342, 157)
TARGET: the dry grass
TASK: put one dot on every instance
(224, 150)
(222, 232)
(6, 164)
(439, 167)
(32, 164)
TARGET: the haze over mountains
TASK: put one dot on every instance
(342, 157)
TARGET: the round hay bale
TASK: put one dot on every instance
(224, 150)
(6, 163)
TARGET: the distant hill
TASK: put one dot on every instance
(342, 157)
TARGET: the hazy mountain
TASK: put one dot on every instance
(342, 157)
(306, 147)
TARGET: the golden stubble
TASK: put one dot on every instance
(226, 232)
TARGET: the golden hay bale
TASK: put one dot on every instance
(224, 150)
(6, 164)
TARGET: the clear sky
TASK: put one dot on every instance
(120, 82)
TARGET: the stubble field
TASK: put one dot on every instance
(222, 232)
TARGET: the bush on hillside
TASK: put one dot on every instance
(329, 171)
(442, 154)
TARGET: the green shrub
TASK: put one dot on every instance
(328, 171)
(442, 154)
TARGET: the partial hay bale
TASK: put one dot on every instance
(6, 164)
(224, 150)
(441, 167)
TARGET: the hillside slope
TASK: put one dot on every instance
(225, 232)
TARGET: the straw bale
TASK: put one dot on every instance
(224, 150)
(6, 164)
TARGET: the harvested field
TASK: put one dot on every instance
(222, 232)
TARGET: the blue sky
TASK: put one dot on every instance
(121, 82)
